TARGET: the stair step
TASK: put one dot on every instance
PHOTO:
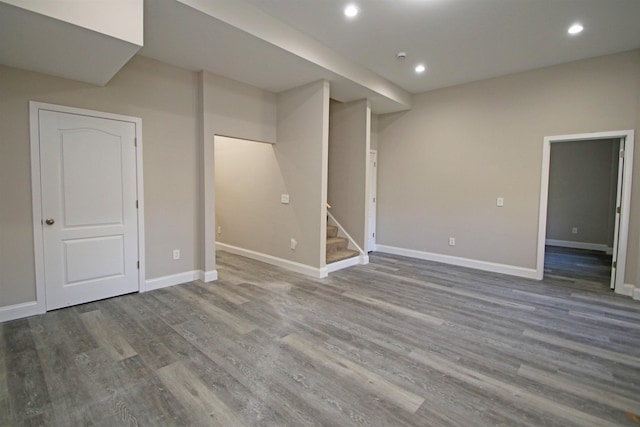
(335, 244)
(332, 231)
(340, 255)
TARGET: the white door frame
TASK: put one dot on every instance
(625, 202)
(36, 190)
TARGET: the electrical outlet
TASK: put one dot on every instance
(500, 201)
(219, 230)
(176, 254)
(284, 199)
(574, 230)
(452, 241)
(294, 243)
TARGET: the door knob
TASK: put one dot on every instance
(49, 221)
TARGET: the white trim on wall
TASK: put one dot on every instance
(177, 279)
(628, 136)
(318, 273)
(342, 264)
(627, 290)
(493, 267)
(600, 247)
(18, 311)
(36, 196)
(209, 276)
(172, 280)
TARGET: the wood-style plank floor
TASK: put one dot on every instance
(398, 342)
(592, 266)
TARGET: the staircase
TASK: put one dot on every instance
(337, 247)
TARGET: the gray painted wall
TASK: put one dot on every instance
(302, 153)
(233, 109)
(443, 164)
(249, 184)
(582, 191)
(349, 146)
(177, 107)
(165, 98)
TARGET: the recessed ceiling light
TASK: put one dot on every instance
(351, 10)
(575, 29)
(420, 68)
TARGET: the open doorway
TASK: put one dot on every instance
(581, 212)
(248, 185)
(584, 206)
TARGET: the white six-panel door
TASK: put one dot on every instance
(89, 214)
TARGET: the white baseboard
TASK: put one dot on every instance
(626, 290)
(529, 273)
(176, 279)
(342, 264)
(636, 294)
(580, 245)
(209, 276)
(18, 311)
(307, 270)
(364, 259)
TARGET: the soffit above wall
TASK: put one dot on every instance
(38, 43)
(235, 40)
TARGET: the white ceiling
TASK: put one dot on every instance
(281, 44)
(459, 40)
(462, 40)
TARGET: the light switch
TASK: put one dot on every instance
(500, 201)
(284, 199)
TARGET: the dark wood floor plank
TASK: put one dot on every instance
(223, 292)
(107, 336)
(397, 342)
(579, 388)
(249, 372)
(187, 387)
(213, 371)
(62, 327)
(508, 391)
(584, 264)
(143, 331)
(28, 395)
(214, 312)
(343, 367)
(5, 410)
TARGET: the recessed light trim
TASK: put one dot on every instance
(351, 11)
(575, 29)
(420, 68)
